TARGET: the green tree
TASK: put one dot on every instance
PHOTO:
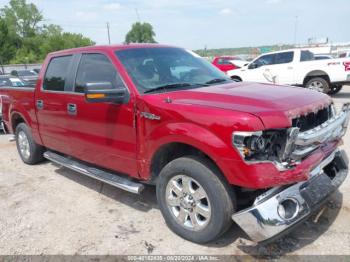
(56, 39)
(140, 33)
(24, 39)
(7, 43)
(22, 18)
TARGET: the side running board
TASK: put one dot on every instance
(108, 178)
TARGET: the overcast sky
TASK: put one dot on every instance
(196, 23)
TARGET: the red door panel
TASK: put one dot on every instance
(103, 134)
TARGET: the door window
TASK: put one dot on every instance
(96, 68)
(284, 58)
(57, 73)
(306, 56)
(264, 60)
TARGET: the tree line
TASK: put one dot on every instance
(25, 38)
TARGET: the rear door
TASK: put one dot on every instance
(101, 133)
(50, 102)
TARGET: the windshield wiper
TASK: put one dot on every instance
(170, 86)
(216, 80)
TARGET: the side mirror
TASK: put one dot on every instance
(104, 92)
(252, 66)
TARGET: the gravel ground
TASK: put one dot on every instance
(46, 209)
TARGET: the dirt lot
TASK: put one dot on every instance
(46, 209)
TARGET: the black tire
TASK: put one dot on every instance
(335, 89)
(35, 151)
(236, 79)
(324, 84)
(220, 196)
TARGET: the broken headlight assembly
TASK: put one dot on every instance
(274, 145)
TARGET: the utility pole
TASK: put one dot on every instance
(109, 37)
(295, 30)
(137, 15)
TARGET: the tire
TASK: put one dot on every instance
(30, 152)
(335, 89)
(318, 84)
(236, 79)
(212, 212)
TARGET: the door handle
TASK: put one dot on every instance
(72, 109)
(39, 104)
(289, 67)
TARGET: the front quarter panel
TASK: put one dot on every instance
(207, 129)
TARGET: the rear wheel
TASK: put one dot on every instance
(29, 151)
(335, 89)
(318, 84)
(195, 202)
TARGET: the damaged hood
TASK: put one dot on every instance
(275, 105)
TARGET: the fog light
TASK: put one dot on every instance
(288, 208)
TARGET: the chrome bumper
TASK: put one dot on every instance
(280, 208)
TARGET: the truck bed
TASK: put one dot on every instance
(17, 97)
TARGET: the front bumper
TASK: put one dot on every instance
(266, 219)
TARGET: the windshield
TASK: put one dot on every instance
(151, 68)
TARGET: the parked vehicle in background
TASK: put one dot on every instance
(218, 151)
(8, 80)
(29, 77)
(226, 63)
(36, 70)
(296, 67)
(322, 57)
(239, 63)
(344, 54)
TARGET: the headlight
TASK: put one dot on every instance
(269, 145)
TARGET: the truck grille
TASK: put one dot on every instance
(312, 120)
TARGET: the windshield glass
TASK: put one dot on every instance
(155, 67)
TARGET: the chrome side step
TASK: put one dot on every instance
(108, 178)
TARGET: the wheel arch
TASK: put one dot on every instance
(171, 151)
(236, 78)
(15, 119)
(316, 73)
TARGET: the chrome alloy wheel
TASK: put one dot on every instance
(23, 144)
(188, 202)
(316, 85)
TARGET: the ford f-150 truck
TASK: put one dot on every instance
(263, 156)
(296, 67)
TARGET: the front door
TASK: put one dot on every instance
(101, 133)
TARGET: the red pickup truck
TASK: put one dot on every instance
(263, 156)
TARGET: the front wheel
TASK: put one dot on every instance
(195, 201)
(318, 84)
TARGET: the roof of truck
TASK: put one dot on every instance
(109, 47)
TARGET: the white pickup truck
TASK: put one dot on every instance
(296, 67)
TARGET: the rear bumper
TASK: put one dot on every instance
(281, 208)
